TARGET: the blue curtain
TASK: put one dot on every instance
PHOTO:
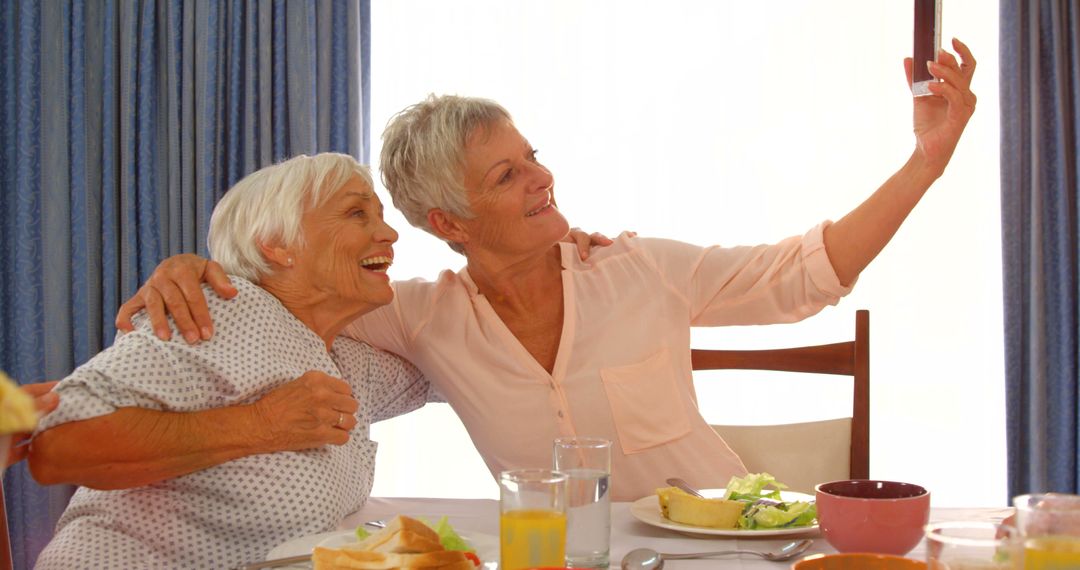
(1040, 137)
(123, 122)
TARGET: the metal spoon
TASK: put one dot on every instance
(649, 559)
(676, 482)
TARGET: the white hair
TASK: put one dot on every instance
(423, 155)
(266, 207)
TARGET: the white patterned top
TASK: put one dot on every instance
(236, 512)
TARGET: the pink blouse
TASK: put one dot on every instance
(623, 365)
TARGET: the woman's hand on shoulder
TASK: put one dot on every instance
(175, 289)
(311, 411)
(586, 241)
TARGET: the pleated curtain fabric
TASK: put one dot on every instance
(1040, 137)
(122, 123)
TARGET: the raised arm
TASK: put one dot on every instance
(135, 446)
(939, 120)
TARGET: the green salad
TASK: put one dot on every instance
(765, 508)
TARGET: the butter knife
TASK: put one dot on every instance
(277, 562)
(677, 482)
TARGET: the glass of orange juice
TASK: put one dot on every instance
(1050, 523)
(532, 521)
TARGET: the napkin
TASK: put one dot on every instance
(17, 413)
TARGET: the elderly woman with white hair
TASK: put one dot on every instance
(528, 342)
(307, 249)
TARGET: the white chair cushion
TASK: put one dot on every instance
(799, 455)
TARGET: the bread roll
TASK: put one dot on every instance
(402, 535)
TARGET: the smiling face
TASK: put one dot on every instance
(347, 248)
(510, 194)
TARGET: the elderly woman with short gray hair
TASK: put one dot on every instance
(529, 342)
(255, 457)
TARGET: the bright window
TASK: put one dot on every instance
(736, 123)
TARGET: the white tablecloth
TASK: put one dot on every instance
(627, 533)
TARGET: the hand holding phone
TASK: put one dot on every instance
(927, 44)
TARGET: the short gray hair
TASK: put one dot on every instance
(423, 155)
(268, 205)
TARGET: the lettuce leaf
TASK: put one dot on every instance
(793, 514)
(450, 538)
(766, 509)
(752, 486)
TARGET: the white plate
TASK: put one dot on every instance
(486, 546)
(647, 510)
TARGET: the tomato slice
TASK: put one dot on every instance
(472, 556)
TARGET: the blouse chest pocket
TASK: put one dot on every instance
(646, 403)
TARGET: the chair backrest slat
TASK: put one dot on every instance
(823, 359)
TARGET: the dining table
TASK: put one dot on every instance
(480, 518)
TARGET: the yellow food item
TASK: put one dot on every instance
(17, 413)
(679, 506)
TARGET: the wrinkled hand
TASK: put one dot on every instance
(45, 400)
(314, 410)
(586, 241)
(940, 119)
(176, 285)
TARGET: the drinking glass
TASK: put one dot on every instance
(532, 521)
(587, 463)
(1050, 524)
(973, 546)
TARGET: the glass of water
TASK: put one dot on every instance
(587, 463)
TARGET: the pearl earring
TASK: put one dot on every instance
(288, 262)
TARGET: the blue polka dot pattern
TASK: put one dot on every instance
(236, 512)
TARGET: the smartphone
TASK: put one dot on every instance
(927, 44)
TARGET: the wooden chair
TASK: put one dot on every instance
(5, 544)
(805, 454)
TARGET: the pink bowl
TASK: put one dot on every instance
(883, 517)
